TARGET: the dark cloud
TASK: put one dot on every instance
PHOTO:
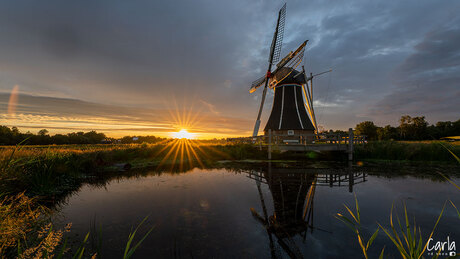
(140, 53)
(427, 82)
(437, 55)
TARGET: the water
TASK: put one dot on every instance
(207, 213)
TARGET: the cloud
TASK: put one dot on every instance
(137, 54)
(211, 107)
(427, 82)
(62, 115)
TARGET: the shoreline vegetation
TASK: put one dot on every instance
(36, 169)
(35, 179)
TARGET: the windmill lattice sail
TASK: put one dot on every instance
(277, 42)
(274, 55)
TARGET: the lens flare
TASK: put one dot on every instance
(13, 101)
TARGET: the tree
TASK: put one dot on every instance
(367, 128)
(59, 139)
(94, 137)
(43, 132)
(419, 125)
(413, 128)
(5, 136)
(387, 133)
(404, 126)
(456, 128)
(15, 131)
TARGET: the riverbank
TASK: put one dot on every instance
(426, 151)
(52, 170)
(50, 175)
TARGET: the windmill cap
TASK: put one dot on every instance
(286, 75)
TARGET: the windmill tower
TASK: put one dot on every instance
(292, 111)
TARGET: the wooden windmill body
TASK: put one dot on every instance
(288, 115)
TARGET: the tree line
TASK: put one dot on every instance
(12, 136)
(410, 128)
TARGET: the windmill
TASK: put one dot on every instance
(289, 111)
(292, 195)
(289, 214)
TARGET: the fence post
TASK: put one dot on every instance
(350, 144)
(269, 144)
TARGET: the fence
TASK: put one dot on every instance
(305, 142)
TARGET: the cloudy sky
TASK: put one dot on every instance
(153, 67)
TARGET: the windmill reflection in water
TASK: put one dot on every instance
(293, 193)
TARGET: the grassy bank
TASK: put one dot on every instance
(27, 232)
(51, 171)
(54, 170)
(407, 150)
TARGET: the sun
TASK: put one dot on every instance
(183, 134)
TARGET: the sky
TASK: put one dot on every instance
(144, 67)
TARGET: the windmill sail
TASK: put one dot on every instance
(257, 83)
(274, 52)
(292, 60)
(277, 41)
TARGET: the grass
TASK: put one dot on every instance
(354, 223)
(20, 216)
(53, 171)
(27, 232)
(129, 251)
(407, 150)
(49, 171)
(407, 239)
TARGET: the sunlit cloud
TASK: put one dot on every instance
(319, 103)
(211, 107)
(60, 115)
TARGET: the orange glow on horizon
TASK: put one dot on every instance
(184, 120)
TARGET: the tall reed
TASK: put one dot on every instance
(354, 223)
(408, 239)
